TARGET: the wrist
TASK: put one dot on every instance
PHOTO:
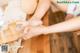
(45, 30)
(49, 29)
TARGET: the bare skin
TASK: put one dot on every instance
(29, 6)
(60, 6)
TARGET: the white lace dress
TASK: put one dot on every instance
(12, 21)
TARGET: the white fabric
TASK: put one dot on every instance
(74, 8)
(10, 16)
(13, 11)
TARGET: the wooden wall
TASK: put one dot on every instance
(61, 42)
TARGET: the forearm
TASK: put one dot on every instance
(42, 8)
(69, 25)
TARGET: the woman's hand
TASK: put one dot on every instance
(34, 31)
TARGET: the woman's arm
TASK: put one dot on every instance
(69, 25)
(42, 8)
(66, 26)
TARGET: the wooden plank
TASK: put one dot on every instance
(76, 40)
(40, 45)
(65, 45)
(57, 43)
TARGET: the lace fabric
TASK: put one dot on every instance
(12, 21)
